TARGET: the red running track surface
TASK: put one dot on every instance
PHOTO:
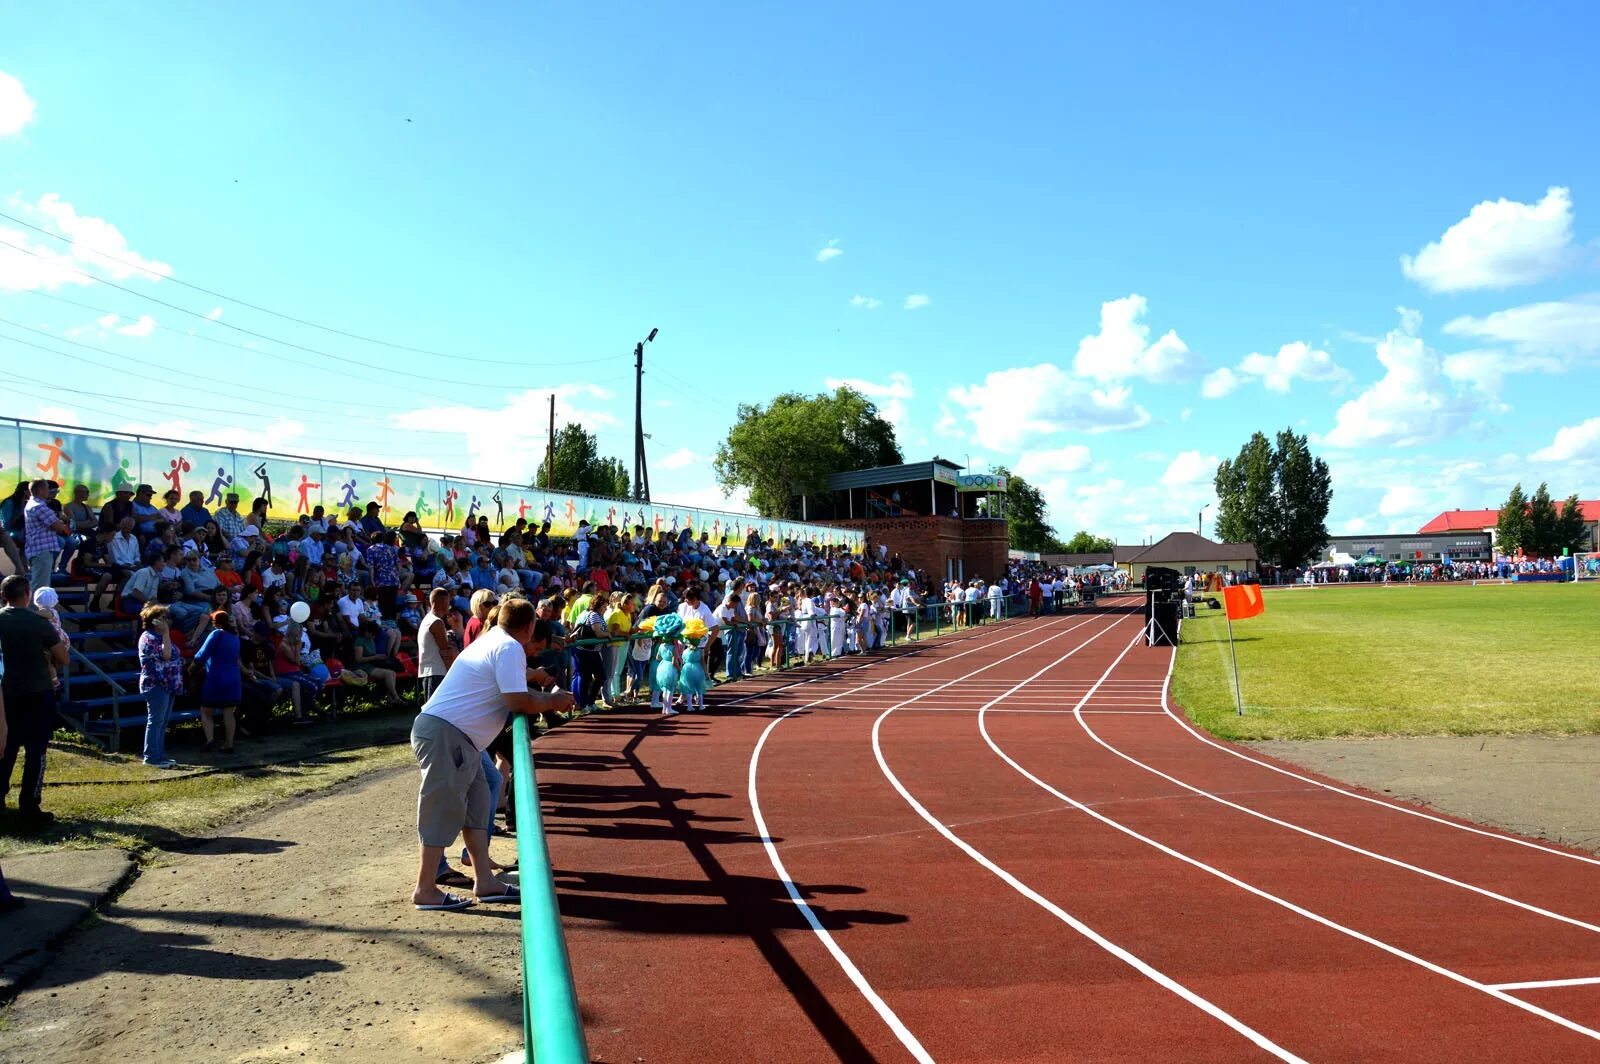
(1006, 847)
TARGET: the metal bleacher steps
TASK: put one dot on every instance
(100, 688)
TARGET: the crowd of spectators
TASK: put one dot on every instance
(1433, 571)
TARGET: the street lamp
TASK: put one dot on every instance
(1199, 520)
(641, 474)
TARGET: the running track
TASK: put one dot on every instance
(1007, 846)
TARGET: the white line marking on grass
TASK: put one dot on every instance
(1142, 967)
(1343, 845)
(1545, 984)
(1241, 755)
(1299, 910)
(887, 1014)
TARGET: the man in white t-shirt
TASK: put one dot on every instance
(486, 682)
(691, 606)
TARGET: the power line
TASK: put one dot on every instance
(252, 397)
(288, 317)
(432, 379)
(184, 414)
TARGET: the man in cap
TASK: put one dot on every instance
(145, 514)
(229, 519)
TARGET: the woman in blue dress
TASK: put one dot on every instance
(223, 687)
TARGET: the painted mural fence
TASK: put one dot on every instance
(295, 485)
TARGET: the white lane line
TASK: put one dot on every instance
(1545, 984)
(833, 676)
(1142, 967)
(1299, 910)
(887, 1014)
(1395, 862)
(1241, 755)
(1046, 712)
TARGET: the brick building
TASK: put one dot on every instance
(938, 520)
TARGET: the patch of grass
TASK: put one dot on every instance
(1399, 660)
(105, 799)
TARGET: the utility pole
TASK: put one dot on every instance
(641, 473)
(550, 454)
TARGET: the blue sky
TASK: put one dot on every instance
(1100, 247)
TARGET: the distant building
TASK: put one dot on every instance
(1488, 520)
(1190, 553)
(1466, 546)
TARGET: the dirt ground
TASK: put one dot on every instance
(290, 939)
(1540, 786)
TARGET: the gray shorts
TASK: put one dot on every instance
(454, 795)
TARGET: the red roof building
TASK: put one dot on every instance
(1486, 520)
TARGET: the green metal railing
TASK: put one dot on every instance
(552, 1027)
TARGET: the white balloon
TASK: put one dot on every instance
(300, 612)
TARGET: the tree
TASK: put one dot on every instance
(788, 447)
(1572, 530)
(580, 468)
(1277, 497)
(1542, 517)
(1084, 543)
(1535, 526)
(1027, 516)
(1511, 529)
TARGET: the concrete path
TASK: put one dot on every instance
(58, 889)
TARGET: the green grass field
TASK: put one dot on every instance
(1399, 660)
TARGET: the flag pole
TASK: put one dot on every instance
(1238, 697)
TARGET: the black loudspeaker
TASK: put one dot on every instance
(1163, 589)
(1163, 623)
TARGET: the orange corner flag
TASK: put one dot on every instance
(1243, 600)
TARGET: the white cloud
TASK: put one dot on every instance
(890, 398)
(1402, 499)
(1413, 401)
(1041, 465)
(143, 327)
(1121, 349)
(1485, 371)
(1219, 383)
(96, 246)
(1191, 467)
(1569, 328)
(683, 458)
(831, 251)
(1013, 405)
(865, 302)
(506, 445)
(1573, 443)
(916, 301)
(1294, 361)
(708, 498)
(280, 434)
(214, 313)
(106, 321)
(1500, 243)
(57, 415)
(1277, 373)
(1185, 414)
(1355, 526)
(16, 106)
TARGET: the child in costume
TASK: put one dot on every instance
(665, 683)
(692, 676)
